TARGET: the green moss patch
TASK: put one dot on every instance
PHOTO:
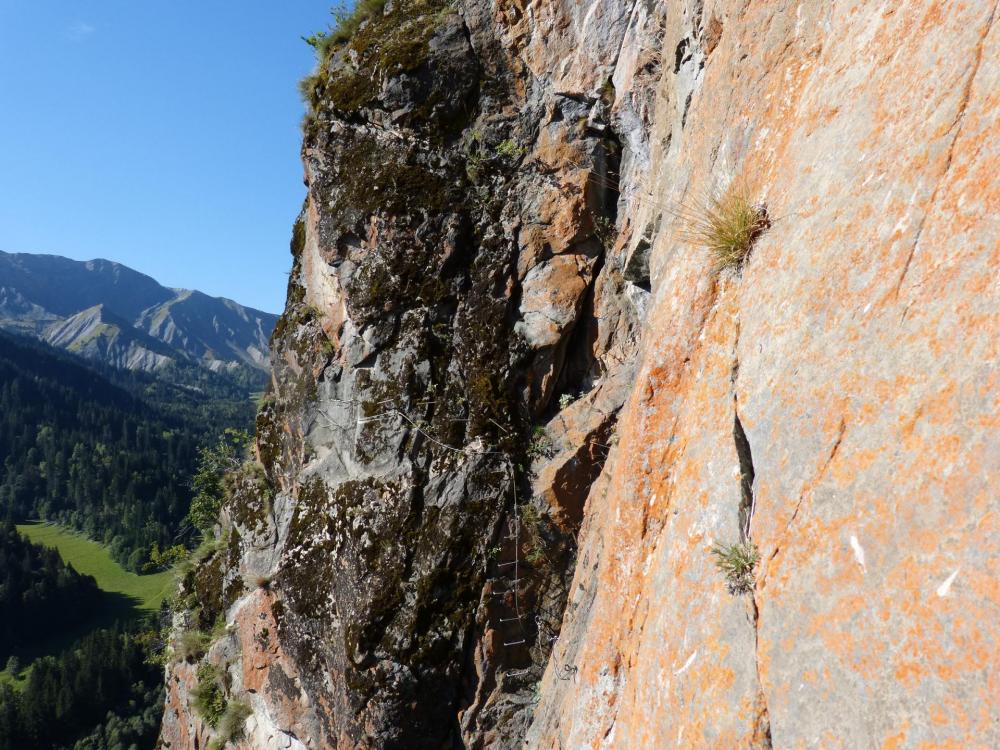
(355, 60)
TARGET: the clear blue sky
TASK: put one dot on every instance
(163, 134)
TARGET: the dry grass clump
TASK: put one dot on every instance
(737, 563)
(726, 224)
(347, 21)
(192, 645)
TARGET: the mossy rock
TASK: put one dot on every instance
(206, 583)
(354, 74)
(249, 495)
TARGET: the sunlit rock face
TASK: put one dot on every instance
(513, 409)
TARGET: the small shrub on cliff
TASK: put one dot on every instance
(532, 534)
(541, 445)
(209, 481)
(165, 559)
(727, 225)
(606, 232)
(510, 149)
(154, 642)
(230, 726)
(209, 700)
(737, 563)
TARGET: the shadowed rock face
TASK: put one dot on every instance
(449, 288)
(503, 368)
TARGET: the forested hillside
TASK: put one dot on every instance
(107, 452)
(39, 593)
(98, 694)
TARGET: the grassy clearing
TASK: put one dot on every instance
(126, 596)
(90, 558)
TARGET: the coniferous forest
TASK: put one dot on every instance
(110, 453)
(39, 593)
(100, 693)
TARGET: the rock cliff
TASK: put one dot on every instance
(513, 407)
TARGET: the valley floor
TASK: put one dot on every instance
(126, 595)
(92, 559)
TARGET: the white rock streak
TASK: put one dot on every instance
(859, 553)
(687, 664)
(945, 587)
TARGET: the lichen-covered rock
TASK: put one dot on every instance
(513, 409)
(857, 349)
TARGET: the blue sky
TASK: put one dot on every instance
(160, 134)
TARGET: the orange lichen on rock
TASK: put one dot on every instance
(866, 329)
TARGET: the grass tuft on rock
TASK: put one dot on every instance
(346, 24)
(231, 723)
(737, 562)
(727, 225)
(209, 700)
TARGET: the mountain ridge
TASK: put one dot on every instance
(104, 310)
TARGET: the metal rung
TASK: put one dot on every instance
(515, 580)
(511, 538)
(502, 593)
(519, 673)
(511, 619)
(515, 643)
(512, 562)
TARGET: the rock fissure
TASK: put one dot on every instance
(761, 727)
(747, 474)
(831, 455)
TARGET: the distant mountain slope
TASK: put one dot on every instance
(96, 333)
(64, 287)
(212, 329)
(110, 313)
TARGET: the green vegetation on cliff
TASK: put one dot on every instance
(366, 47)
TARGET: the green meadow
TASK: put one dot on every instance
(90, 558)
(126, 596)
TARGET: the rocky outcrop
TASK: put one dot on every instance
(513, 408)
(855, 352)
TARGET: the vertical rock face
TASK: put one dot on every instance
(858, 352)
(513, 408)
